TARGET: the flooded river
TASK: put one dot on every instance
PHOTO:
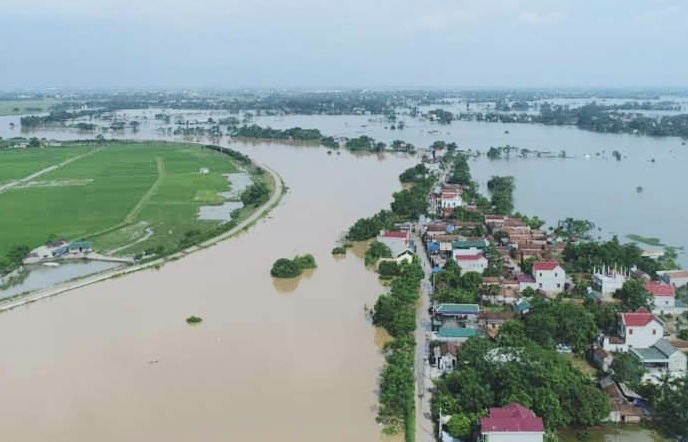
(117, 361)
(294, 361)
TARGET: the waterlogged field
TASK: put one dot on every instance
(116, 195)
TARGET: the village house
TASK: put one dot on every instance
(400, 245)
(525, 281)
(601, 358)
(663, 298)
(608, 281)
(49, 251)
(623, 410)
(468, 312)
(450, 200)
(549, 277)
(639, 329)
(471, 263)
(511, 423)
(677, 278)
(659, 359)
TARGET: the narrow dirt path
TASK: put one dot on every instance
(131, 216)
(54, 167)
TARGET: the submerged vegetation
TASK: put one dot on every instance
(292, 268)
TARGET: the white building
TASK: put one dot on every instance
(549, 276)
(471, 263)
(450, 200)
(511, 423)
(663, 298)
(608, 281)
(659, 359)
(400, 245)
(677, 278)
(640, 329)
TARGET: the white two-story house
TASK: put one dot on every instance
(549, 277)
(663, 297)
(639, 329)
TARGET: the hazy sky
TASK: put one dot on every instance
(354, 43)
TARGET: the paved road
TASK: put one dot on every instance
(424, 425)
(53, 291)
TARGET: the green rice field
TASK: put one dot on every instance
(114, 195)
(18, 107)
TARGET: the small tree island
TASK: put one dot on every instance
(291, 268)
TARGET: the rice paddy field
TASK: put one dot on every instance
(141, 195)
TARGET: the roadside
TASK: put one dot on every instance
(424, 425)
(245, 224)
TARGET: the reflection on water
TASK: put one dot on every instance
(41, 277)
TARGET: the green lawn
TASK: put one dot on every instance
(19, 107)
(107, 186)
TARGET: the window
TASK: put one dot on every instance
(558, 285)
(540, 285)
(654, 332)
(630, 331)
(556, 274)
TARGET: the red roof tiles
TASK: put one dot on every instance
(512, 418)
(469, 257)
(400, 235)
(640, 318)
(659, 289)
(545, 266)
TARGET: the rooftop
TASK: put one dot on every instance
(512, 418)
(658, 352)
(458, 309)
(659, 289)
(545, 265)
(457, 332)
(391, 234)
(640, 318)
(475, 257)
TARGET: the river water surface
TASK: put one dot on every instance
(116, 361)
(295, 360)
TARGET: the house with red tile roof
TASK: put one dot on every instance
(549, 276)
(639, 329)
(512, 423)
(663, 297)
(475, 262)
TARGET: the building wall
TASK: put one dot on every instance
(663, 304)
(677, 362)
(643, 337)
(478, 265)
(550, 280)
(504, 436)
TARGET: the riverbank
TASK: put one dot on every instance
(278, 191)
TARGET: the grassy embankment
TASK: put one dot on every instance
(114, 195)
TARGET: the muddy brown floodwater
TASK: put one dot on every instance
(116, 361)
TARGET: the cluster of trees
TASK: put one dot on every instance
(584, 256)
(54, 118)
(375, 252)
(396, 312)
(453, 286)
(414, 174)
(291, 268)
(408, 204)
(669, 400)
(14, 258)
(516, 369)
(256, 194)
(364, 143)
(441, 116)
(574, 229)
(633, 295)
(550, 323)
(367, 228)
(502, 190)
(295, 133)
